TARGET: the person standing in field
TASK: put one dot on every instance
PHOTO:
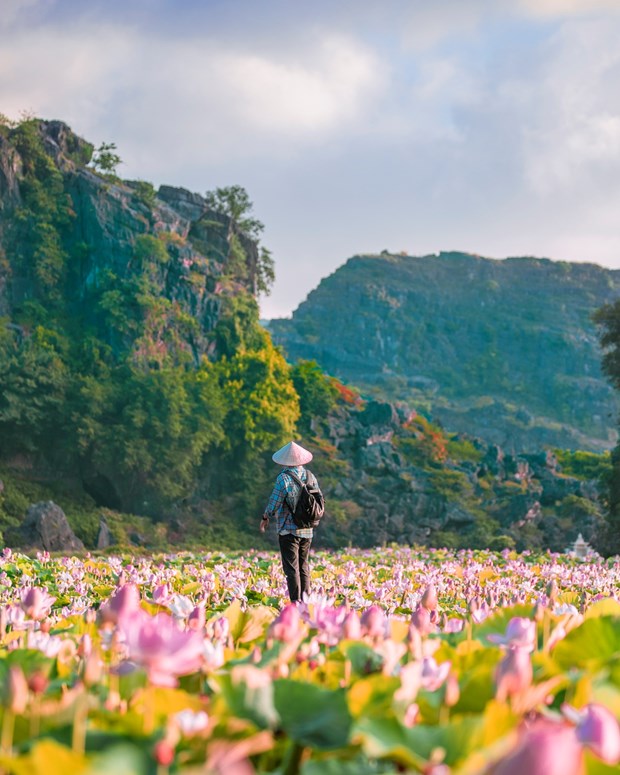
(294, 541)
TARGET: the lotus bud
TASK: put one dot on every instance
(599, 730)
(164, 753)
(85, 647)
(17, 690)
(221, 628)
(351, 628)
(421, 620)
(286, 627)
(373, 622)
(36, 603)
(514, 673)
(38, 682)
(411, 715)
(429, 598)
(280, 670)
(473, 605)
(414, 642)
(162, 593)
(196, 619)
(93, 670)
(452, 692)
(125, 600)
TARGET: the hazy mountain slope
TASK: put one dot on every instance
(505, 350)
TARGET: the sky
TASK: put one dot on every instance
(356, 126)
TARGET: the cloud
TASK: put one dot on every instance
(221, 100)
(487, 126)
(560, 8)
(13, 9)
(572, 118)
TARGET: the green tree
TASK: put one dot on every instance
(105, 159)
(234, 202)
(317, 394)
(262, 405)
(34, 381)
(148, 431)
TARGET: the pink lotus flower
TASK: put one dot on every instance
(597, 728)
(36, 602)
(287, 626)
(433, 675)
(162, 594)
(219, 629)
(196, 619)
(454, 625)
(546, 748)
(424, 620)
(520, 633)
(410, 682)
(429, 598)
(374, 622)
(514, 673)
(351, 627)
(123, 602)
(16, 690)
(160, 646)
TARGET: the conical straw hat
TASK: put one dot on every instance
(292, 454)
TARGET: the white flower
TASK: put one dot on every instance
(191, 722)
(180, 606)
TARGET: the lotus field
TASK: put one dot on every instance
(401, 660)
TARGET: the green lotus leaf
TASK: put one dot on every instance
(313, 716)
(364, 659)
(246, 626)
(121, 759)
(498, 621)
(191, 587)
(387, 738)
(360, 765)
(46, 757)
(372, 696)
(607, 607)
(590, 646)
(254, 703)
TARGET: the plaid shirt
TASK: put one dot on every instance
(278, 507)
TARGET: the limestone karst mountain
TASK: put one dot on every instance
(502, 349)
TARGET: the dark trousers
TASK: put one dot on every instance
(294, 551)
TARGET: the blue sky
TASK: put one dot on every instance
(491, 126)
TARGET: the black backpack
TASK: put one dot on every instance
(310, 504)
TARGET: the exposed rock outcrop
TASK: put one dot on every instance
(46, 527)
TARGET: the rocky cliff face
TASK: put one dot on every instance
(406, 481)
(107, 217)
(505, 350)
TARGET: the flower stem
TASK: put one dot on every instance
(80, 722)
(8, 727)
(293, 759)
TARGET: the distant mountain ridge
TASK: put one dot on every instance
(502, 349)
